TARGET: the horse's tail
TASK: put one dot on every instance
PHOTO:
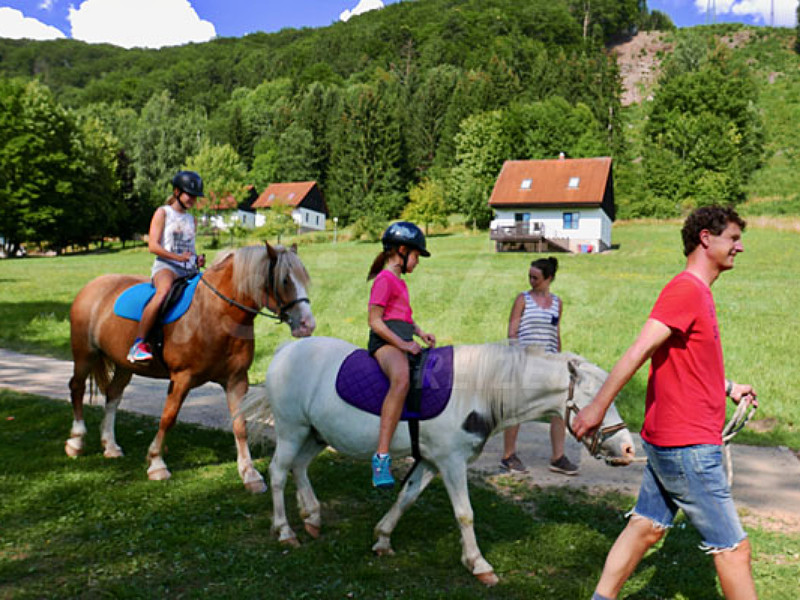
(257, 412)
(101, 373)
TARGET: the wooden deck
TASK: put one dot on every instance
(521, 237)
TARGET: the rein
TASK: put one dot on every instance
(281, 312)
(600, 435)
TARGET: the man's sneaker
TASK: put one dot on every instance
(139, 352)
(513, 464)
(382, 471)
(564, 466)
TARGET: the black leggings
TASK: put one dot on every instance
(403, 330)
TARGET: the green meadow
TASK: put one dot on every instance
(96, 528)
(464, 292)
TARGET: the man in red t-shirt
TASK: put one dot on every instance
(684, 414)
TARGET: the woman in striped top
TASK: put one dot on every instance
(536, 320)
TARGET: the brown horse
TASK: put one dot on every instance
(213, 341)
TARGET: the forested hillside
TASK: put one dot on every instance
(408, 110)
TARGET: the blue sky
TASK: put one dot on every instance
(155, 23)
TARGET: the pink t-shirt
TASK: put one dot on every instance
(686, 387)
(391, 292)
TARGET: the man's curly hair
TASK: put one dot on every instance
(714, 218)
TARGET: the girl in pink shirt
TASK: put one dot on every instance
(392, 331)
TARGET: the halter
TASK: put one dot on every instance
(281, 311)
(600, 435)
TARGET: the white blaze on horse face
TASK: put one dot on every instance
(301, 319)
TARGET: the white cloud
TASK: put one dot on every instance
(781, 13)
(46, 5)
(15, 25)
(362, 7)
(143, 23)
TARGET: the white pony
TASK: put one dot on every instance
(494, 386)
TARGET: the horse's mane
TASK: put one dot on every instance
(495, 371)
(251, 269)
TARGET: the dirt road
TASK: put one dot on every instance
(766, 482)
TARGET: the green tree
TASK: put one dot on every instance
(36, 182)
(481, 149)
(427, 204)
(295, 146)
(703, 125)
(365, 173)
(221, 169)
(166, 135)
(278, 221)
(426, 114)
(797, 29)
(317, 112)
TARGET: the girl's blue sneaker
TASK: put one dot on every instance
(382, 471)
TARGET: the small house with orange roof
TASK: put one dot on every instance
(308, 207)
(556, 205)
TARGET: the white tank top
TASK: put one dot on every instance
(178, 236)
(539, 326)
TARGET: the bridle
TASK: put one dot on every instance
(281, 311)
(601, 434)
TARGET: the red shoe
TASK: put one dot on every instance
(140, 352)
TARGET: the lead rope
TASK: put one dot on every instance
(737, 422)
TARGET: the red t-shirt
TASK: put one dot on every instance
(391, 292)
(686, 387)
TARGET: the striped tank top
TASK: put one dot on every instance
(539, 326)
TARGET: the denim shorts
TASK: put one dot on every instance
(692, 478)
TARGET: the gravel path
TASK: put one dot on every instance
(766, 480)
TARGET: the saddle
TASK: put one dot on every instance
(132, 301)
(361, 383)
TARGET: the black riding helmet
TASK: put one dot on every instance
(404, 233)
(189, 182)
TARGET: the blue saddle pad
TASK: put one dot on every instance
(361, 382)
(132, 301)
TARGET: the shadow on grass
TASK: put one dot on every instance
(25, 326)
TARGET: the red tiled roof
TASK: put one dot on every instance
(211, 202)
(547, 182)
(291, 193)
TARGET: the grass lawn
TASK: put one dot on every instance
(96, 528)
(464, 293)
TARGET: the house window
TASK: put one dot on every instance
(571, 220)
(526, 184)
(306, 217)
(317, 220)
(522, 217)
(574, 183)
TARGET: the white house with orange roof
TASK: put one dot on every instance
(562, 205)
(309, 209)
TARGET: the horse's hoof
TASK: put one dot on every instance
(291, 542)
(383, 551)
(113, 452)
(256, 487)
(312, 530)
(488, 579)
(159, 475)
(73, 449)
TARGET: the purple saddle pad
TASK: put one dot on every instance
(361, 382)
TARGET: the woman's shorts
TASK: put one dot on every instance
(179, 271)
(692, 478)
(404, 331)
